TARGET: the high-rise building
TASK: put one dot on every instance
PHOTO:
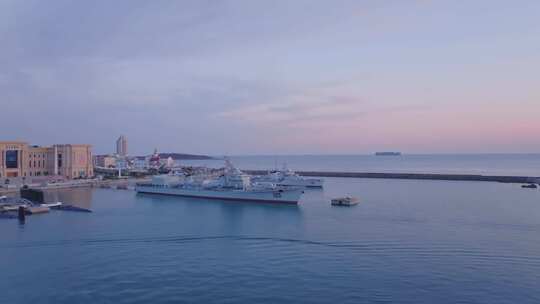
(121, 146)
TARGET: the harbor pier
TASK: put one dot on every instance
(416, 176)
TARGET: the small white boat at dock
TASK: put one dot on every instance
(12, 207)
(52, 205)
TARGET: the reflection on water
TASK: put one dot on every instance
(232, 216)
(80, 197)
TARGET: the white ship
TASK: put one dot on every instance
(289, 178)
(232, 185)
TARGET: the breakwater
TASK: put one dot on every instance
(417, 176)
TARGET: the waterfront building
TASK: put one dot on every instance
(122, 146)
(140, 163)
(20, 160)
(169, 162)
(155, 160)
(122, 163)
(105, 161)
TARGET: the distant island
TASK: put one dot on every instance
(388, 153)
(183, 156)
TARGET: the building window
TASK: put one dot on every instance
(59, 160)
(12, 159)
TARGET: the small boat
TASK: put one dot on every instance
(51, 205)
(344, 201)
(3, 197)
(13, 207)
(529, 186)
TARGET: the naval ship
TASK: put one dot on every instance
(289, 178)
(232, 184)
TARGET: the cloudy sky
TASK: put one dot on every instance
(273, 77)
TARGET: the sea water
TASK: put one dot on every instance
(486, 164)
(406, 242)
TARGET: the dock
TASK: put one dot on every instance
(416, 176)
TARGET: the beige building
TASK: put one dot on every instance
(18, 159)
(105, 161)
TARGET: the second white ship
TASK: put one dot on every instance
(287, 177)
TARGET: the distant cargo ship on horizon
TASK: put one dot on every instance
(387, 153)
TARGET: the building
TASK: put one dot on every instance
(121, 146)
(105, 161)
(169, 163)
(140, 163)
(19, 160)
(122, 163)
(154, 161)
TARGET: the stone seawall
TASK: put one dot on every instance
(417, 176)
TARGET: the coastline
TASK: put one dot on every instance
(76, 184)
(371, 175)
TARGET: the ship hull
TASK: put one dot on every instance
(308, 183)
(283, 197)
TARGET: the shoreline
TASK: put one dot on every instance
(76, 184)
(372, 175)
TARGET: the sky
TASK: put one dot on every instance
(273, 77)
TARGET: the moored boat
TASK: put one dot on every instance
(51, 205)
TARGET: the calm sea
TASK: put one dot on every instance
(406, 242)
(487, 164)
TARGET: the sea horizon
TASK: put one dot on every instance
(475, 164)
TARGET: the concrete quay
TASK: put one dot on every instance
(88, 183)
(415, 176)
